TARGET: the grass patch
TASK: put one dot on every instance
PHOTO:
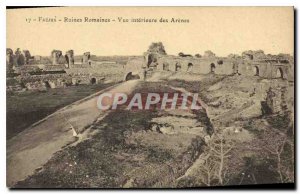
(24, 109)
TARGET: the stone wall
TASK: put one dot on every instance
(263, 68)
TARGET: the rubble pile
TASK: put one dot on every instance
(37, 85)
(241, 98)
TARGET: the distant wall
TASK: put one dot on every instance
(264, 69)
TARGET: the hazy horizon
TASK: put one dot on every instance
(100, 55)
(223, 30)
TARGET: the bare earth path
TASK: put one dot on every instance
(34, 146)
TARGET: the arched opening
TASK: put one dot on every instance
(212, 68)
(67, 59)
(190, 67)
(93, 80)
(177, 67)
(130, 76)
(256, 71)
(47, 85)
(220, 62)
(279, 73)
(90, 63)
(166, 67)
(151, 59)
(235, 68)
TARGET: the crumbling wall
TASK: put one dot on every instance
(279, 99)
(226, 66)
(27, 57)
(70, 58)
(9, 56)
(55, 55)
(86, 58)
(18, 58)
(199, 65)
(44, 81)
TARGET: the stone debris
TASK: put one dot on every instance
(170, 125)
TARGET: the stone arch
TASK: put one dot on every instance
(166, 66)
(177, 67)
(190, 67)
(130, 76)
(70, 57)
(212, 68)
(151, 58)
(93, 80)
(47, 85)
(256, 71)
(220, 62)
(279, 73)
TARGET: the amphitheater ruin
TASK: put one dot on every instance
(249, 64)
(61, 70)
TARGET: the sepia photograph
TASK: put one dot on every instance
(150, 97)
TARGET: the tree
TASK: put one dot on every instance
(273, 144)
(209, 53)
(278, 148)
(215, 166)
(208, 169)
(233, 56)
(157, 47)
(258, 54)
(198, 55)
(221, 148)
(181, 54)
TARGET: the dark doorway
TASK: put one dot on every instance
(177, 67)
(151, 59)
(130, 76)
(166, 67)
(93, 81)
(212, 68)
(190, 67)
(256, 71)
(47, 84)
(279, 73)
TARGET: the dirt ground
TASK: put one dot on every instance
(24, 109)
(31, 148)
(157, 149)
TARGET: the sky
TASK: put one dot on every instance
(223, 30)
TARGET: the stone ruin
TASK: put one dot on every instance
(27, 56)
(86, 58)
(18, 58)
(151, 58)
(277, 100)
(42, 73)
(70, 58)
(55, 55)
(9, 56)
